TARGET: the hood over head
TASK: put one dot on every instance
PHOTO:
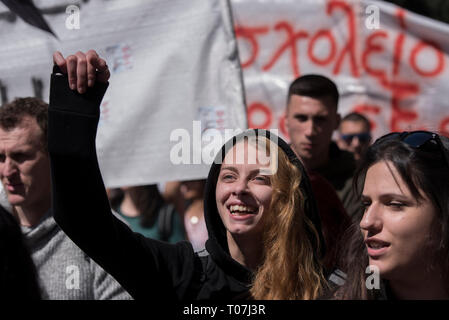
(217, 245)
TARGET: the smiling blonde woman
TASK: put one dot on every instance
(265, 237)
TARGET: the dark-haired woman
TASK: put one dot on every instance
(403, 237)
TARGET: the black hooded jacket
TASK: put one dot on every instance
(146, 268)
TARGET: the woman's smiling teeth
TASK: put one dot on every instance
(239, 209)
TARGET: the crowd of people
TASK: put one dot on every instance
(317, 218)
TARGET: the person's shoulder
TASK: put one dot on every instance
(341, 156)
(341, 162)
(119, 217)
(320, 183)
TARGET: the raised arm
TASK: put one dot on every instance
(79, 201)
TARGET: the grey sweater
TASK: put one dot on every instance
(64, 271)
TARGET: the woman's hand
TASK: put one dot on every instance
(83, 69)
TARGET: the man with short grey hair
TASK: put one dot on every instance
(64, 271)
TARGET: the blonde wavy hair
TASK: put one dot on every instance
(290, 269)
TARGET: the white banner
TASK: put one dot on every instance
(388, 63)
(172, 63)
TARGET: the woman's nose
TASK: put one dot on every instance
(372, 219)
(240, 187)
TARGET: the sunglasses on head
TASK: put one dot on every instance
(424, 140)
(362, 137)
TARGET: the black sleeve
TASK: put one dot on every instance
(147, 269)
